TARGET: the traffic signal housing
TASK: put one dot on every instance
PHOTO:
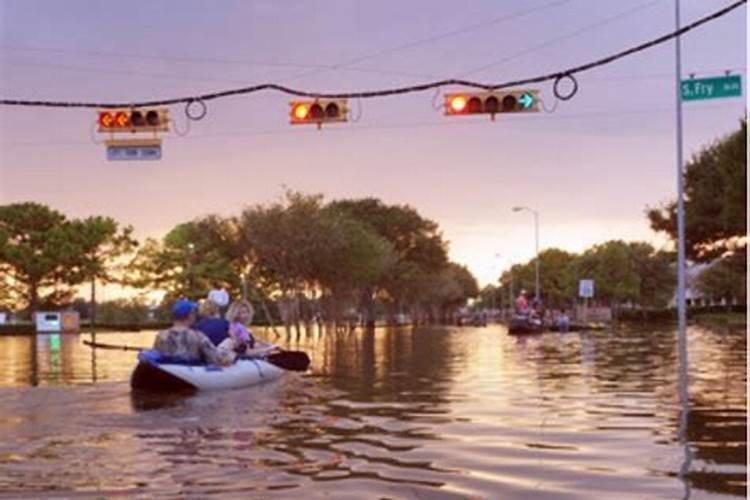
(133, 120)
(318, 111)
(491, 103)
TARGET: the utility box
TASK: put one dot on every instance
(70, 321)
(53, 322)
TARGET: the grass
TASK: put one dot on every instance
(730, 319)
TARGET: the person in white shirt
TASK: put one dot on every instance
(219, 296)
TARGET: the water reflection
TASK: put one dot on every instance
(442, 413)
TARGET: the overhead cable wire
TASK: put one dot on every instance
(566, 36)
(313, 69)
(347, 65)
(369, 94)
(376, 127)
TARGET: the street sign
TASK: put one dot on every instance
(695, 89)
(586, 288)
(133, 149)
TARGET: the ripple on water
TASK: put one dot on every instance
(427, 413)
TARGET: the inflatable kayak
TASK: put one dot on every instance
(157, 373)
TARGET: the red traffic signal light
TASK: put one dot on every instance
(317, 112)
(492, 103)
(133, 120)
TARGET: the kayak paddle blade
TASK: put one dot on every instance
(297, 361)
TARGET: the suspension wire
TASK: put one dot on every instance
(369, 94)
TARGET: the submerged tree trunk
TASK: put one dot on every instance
(368, 308)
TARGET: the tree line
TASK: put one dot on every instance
(624, 273)
(637, 274)
(302, 257)
(299, 258)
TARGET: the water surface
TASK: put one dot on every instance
(402, 413)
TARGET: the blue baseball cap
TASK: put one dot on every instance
(182, 309)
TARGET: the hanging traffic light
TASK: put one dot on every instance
(492, 103)
(133, 120)
(317, 112)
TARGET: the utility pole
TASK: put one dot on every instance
(682, 352)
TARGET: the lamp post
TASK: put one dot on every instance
(536, 260)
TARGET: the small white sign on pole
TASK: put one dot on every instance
(586, 288)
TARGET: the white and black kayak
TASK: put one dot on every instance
(157, 374)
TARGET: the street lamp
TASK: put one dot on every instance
(536, 232)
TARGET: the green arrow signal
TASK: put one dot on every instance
(526, 100)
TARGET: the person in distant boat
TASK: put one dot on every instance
(241, 340)
(210, 322)
(522, 305)
(181, 341)
(563, 321)
(219, 296)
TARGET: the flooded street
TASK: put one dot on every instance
(425, 413)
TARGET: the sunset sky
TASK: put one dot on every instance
(590, 168)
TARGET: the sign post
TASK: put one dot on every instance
(586, 291)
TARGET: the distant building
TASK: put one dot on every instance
(693, 296)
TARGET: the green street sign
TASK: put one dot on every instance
(711, 88)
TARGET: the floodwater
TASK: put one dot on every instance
(436, 413)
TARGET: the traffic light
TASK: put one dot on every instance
(133, 120)
(318, 112)
(492, 103)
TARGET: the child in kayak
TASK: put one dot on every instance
(241, 341)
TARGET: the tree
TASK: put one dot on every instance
(44, 255)
(655, 272)
(557, 280)
(715, 200)
(610, 265)
(185, 263)
(304, 247)
(102, 242)
(418, 246)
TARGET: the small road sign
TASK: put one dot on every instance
(695, 89)
(122, 150)
(586, 288)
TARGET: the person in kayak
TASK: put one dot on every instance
(182, 342)
(522, 305)
(241, 341)
(563, 322)
(210, 322)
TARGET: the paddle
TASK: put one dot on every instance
(297, 361)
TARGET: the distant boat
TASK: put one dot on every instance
(521, 324)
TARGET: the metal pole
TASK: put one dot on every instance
(681, 313)
(536, 230)
(681, 303)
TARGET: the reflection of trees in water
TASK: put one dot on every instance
(636, 370)
(717, 422)
(717, 437)
(395, 364)
(394, 382)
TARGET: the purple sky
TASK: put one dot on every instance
(590, 168)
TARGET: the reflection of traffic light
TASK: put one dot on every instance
(317, 112)
(134, 120)
(492, 103)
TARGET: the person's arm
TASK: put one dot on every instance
(159, 342)
(210, 353)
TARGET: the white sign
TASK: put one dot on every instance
(586, 288)
(133, 149)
